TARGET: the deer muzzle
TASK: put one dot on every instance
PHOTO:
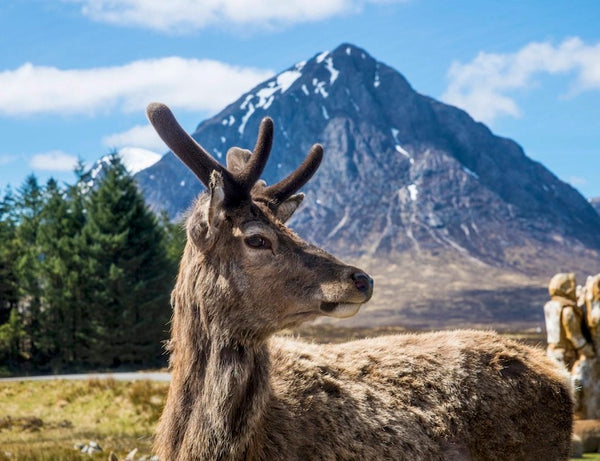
(363, 283)
(345, 299)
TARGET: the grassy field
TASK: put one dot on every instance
(42, 421)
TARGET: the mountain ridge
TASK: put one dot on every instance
(404, 177)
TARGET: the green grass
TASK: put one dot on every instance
(43, 420)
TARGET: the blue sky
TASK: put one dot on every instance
(76, 75)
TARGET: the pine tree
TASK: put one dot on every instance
(8, 278)
(28, 206)
(59, 243)
(174, 240)
(11, 331)
(50, 271)
(11, 337)
(82, 325)
(128, 273)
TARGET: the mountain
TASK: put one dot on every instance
(413, 187)
(595, 202)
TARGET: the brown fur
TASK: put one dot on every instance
(238, 393)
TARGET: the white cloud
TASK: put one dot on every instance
(181, 83)
(53, 161)
(184, 15)
(143, 136)
(481, 86)
(136, 159)
(6, 159)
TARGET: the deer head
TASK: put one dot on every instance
(246, 272)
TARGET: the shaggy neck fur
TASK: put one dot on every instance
(220, 378)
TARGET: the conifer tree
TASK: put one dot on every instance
(82, 325)
(11, 337)
(8, 278)
(59, 243)
(128, 272)
(174, 240)
(28, 206)
(11, 331)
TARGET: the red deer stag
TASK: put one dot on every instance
(238, 393)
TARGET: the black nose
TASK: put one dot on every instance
(363, 282)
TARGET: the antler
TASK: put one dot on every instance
(238, 182)
(182, 144)
(284, 189)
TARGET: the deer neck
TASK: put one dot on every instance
(232, 400)
(219, 391)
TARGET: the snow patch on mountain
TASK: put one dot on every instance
(248, 113)
(332, 70)
(471, 173)
(321, 57)
(266, 95)
(320, 88)
(229, 121)
(413, 191)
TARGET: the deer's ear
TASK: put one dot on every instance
(287, 208)
(237, 159)
(217, 197)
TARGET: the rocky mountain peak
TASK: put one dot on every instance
(402, 172)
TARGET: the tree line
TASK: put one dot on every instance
(86, 272)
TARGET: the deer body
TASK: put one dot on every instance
(422, 397)
(239, 393)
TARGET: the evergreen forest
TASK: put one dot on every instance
(86, 271)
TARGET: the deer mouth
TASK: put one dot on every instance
(339, 310)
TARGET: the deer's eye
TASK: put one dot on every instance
(258, 241)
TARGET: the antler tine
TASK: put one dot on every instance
(256, 164)
(284, 189)
(183, 145)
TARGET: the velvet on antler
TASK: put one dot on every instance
(238, 182)
(237, 185)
